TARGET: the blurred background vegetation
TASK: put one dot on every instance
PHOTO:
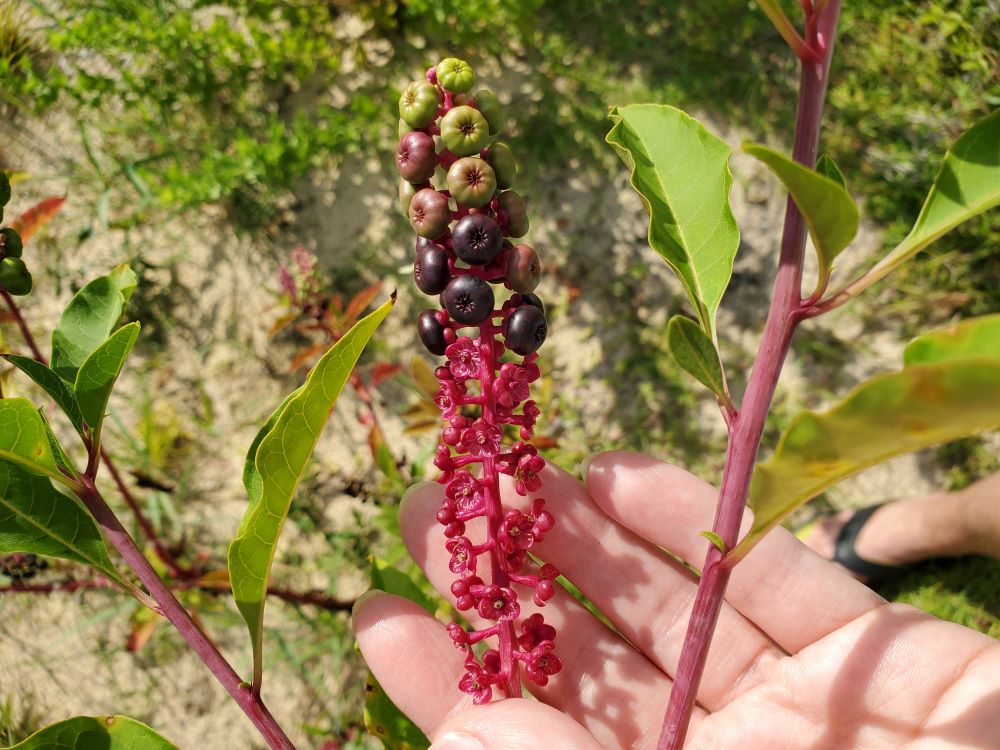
(179, 106)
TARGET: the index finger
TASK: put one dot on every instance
(795, 596)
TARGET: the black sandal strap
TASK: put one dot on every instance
(845, 554)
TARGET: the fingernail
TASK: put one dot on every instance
(585, 466)
(458, 741)
(360, 602)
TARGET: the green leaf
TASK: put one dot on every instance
(967, 185)
(681, 172)
(275, 463)
(23, 439)
(827, 208)
(390, 579)
(62, 460)
(35, 517)
(95, 733)
(696, 353)
(969, 339)
(57, 388)
(388, 723)
(883, 417)
(97, 375)
(89, 319)
(715, 539)
(827, 167)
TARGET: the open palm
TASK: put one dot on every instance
(804, 656)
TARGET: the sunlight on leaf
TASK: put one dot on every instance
(274, 466)
(968, 339)
(95, 733)
(681, 172)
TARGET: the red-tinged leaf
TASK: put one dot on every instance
(215, 579)
(141, 634)
(382, 371)
(360, 302)
(281, 324)
(306, 355)
(544, 442)
(36, 217)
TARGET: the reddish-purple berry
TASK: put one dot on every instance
(431, 333)
(429, 213)
(415, 157)
(430, 269)
(524, 270)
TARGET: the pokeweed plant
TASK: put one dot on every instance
(464, 251)
(948, 387)
(52, 507)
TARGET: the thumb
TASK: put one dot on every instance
(512, 724)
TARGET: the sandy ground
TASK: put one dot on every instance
(61, 655)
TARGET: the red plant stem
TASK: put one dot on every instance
(170, 608)
(744, 439)
(509, 666)
(176, 569)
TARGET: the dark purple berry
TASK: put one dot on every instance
(523, 269)
(468, 299)
(429, 213)
(471, 182)
(431, 333)
(526, 330)
(415, 157)
(430, 269)
(533, 300)
(476, 239)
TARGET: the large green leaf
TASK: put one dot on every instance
(95, 733)
(695, 352)
(97, 375)
(385, 721)
(89, 319)
(23, 439)
(967, 184)
(969, 339)
(827, 208)
(883, 417)
(60, 391)
(274, 467)
(681, 172)
(36, 518)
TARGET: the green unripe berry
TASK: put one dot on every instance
(471, 182)
(4, 189)
(489, 105)
(14, 276)
(406, 193)
(517, 214)
(418, 104)
(455, 75)
(501, 158)
(464, 131)
(10, 243)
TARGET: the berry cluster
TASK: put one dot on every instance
(21, 566)
(463, 253)
(14, 275)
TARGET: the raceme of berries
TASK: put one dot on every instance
(465, 222)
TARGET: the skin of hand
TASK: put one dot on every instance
(804, 657)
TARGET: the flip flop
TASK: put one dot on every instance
(845, 554)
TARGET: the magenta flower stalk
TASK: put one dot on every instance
(463, 253)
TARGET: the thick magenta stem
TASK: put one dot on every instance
(170, 608)
(744, 440)
(511, 684)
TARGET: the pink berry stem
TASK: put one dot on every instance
(511, 682)
(785, 313)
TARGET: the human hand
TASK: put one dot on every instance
(804, 657)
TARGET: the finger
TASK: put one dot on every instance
(778, 581)
(647, 595)
(515, 724)
(605, 685)
(412, 658)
